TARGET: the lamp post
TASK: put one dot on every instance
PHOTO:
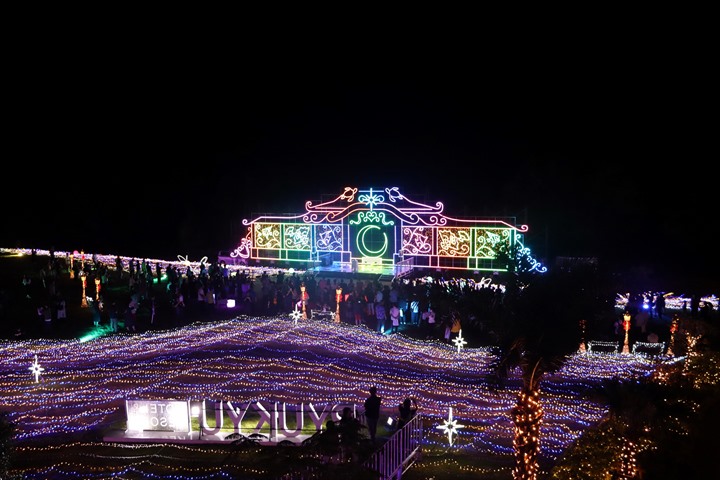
(583, 325)
(673, 329)
(83, 277)
(72, 266)
(626, 326)
(338, 298)
(303, 299)
(97, 289)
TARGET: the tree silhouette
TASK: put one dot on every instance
(540, 330)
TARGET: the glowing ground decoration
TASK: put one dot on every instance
(249, 359)
(382, 227)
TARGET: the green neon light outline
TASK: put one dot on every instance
(371, 216)
(360, 242)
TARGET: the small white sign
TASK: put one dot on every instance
(158, 415)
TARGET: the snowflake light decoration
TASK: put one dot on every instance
(36, 370)
(450, 426)
(296, 315)
(459, 341)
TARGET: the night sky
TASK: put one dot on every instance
(598, 161)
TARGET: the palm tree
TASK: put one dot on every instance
(540, 329)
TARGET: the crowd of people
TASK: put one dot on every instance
(136, 294)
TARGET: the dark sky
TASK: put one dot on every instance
(600, 156)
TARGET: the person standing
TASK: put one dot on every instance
(47, 314)
(694, 305)
(179, 305)
(61, 308)
(660, 306)
(448, 323)
(152, 309)
(456, 326)
(114, 314)
(131, 317)
(395, 318)
(27, 284)
(407, 411)
(372, 412)
(430, 326)
(380, 317)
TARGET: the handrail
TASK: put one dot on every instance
(399, 452)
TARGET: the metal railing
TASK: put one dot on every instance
(399, 452)
(404, 267)
(390, 461)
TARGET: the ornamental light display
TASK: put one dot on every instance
(527, 418)
(185, 260)
(296, 315)
(248, 360)
(691, 354)
(673, 328)
(97, 289)
(450, 426)
(36, 369)
(318, 362)
(628, 460)
(459, 341)
(304, 297)
(338, 299)
(383, 230)
(83, 278)
(626, 325)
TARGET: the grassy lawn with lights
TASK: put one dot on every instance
(86, 454)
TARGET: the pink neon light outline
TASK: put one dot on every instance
(413, 216)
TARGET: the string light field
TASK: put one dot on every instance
(82, 386)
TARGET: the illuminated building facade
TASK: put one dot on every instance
(380, 229)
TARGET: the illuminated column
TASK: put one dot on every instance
(673, 329)
(626, 325)
(303, 299)
(72, 266)
(338, 297)
(97, 288)
(83, 277)
(583, 324)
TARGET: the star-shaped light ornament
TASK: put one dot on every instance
(450, 426)
(36, 369)
(459, 341)
(296, 315)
